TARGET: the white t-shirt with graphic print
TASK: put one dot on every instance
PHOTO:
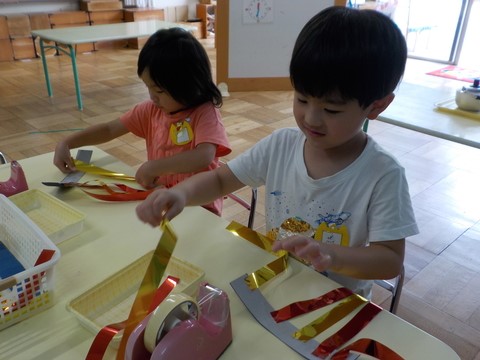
(367, 201)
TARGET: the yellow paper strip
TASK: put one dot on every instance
(326, 320)
(95, 170)
(251, 235)
(150, 282)
(266, 273)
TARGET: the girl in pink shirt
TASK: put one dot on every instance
(181, 123)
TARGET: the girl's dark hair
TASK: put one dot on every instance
(360, 54)
(178, 64)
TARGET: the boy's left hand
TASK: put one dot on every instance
(307, 249)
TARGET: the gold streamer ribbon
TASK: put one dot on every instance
(271, 270)
(95, 170)
(150, 282)
(326, 320)
(266, 273)
(348, 331)
(252, 236)
(107, 333)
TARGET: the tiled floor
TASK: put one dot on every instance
(442, 285)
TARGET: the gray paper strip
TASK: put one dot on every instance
(84, 156)
(261, 309)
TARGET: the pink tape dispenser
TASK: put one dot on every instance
(17, 182)
(182, 328)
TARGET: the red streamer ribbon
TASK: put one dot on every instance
(368, 347)
(116, 192)
(352, 328)
(303, 307)
(107, 333)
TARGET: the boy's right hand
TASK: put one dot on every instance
(161, 204)
(63, 159)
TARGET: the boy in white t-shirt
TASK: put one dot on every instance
(334, 197)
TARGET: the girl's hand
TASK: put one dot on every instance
(308, 249)
(63, 159)
(147, 175)
(161, 204)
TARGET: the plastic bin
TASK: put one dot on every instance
(111, 300)
(30, 291)
(58, 220)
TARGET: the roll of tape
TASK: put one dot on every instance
(171, 311)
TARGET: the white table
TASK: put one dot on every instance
(70, 37)
(113, 237)
(414, 108)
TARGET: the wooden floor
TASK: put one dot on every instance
(442, 290)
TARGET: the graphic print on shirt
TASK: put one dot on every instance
(314, 221)
(181, 132)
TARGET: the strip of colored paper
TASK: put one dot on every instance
(150, 282)
(250, 235)
(266, 273)
(367, 347)
(352, 328)
(332, 317)
(305, 306)
(107, 333)
(95, 170)
(115, 192)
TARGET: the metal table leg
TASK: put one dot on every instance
(45, 68)
(75, 76)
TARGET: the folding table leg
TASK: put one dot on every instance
(75, 76)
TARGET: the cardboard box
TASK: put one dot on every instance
(143, 14)
(4, 28)
(100, 5)
(105, 17)
(77, 18)
(18, 26)
(23, 48)
(66, 19)
(6, 51)
(139, 15)
(39, 21)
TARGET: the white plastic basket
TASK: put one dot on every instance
(58, 220)
(111, 300)
(30, 291)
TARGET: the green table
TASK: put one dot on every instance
(69, 37)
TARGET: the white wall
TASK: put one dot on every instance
(65, 5)
(264, 49)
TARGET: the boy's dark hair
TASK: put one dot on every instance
(360, 54)
(179, 64)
